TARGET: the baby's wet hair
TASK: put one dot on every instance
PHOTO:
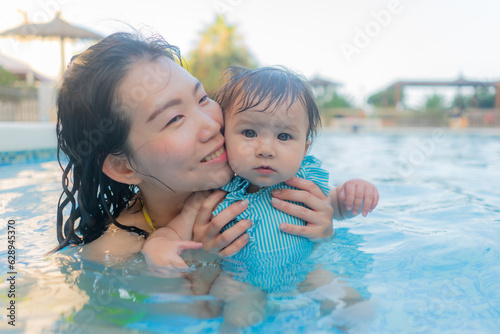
(274, 85)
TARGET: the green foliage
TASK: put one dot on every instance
(461, 102)
(484, 98)
(333, 100)
(7, 78)
(219, 47)
(435, 102)
(383, 98)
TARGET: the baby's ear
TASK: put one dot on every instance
(119, 169)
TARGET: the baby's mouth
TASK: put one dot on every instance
(265, 169)
(214, 155)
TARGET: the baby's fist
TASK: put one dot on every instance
(356, 194)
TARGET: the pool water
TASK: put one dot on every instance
(427, 260)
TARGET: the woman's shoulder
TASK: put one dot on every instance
(118, 242)
(114, 246)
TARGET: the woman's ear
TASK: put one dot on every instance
(119, 169)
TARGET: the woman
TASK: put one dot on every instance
(142, 136)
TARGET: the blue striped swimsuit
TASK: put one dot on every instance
(272, 259)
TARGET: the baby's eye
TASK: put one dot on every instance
(249, 133)
(284, 136)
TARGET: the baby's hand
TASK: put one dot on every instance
(163, 255)
(355, 192)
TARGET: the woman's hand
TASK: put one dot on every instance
(354, 193)
(207, 227)
(318, 212)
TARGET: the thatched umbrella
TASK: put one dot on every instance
(55, 29)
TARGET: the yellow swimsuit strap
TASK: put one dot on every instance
(146, 216)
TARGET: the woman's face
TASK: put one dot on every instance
(175, 136)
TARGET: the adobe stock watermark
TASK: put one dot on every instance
(44, 13)
(155, 77)
(424, 149)
(363, 36)
(225, 6)
(47, 9)
(421, 152)
(95, 137)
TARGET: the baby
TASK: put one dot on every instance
(270, 120)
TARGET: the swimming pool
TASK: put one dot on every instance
(427, 260)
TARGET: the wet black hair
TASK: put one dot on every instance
(90, 126)
(273, 85)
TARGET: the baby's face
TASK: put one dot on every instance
(266, 147)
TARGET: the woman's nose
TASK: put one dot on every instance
(209, 127)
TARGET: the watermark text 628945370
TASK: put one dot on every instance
(11, 274)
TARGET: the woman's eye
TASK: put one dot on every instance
(175, 119)
(249, 133)
(284, 136)
(203, 99)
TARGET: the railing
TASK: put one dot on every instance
(393, 117)
(483, 117)
(390, 117)
(18, 104)
(27, 104)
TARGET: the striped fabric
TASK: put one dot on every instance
(271, 258)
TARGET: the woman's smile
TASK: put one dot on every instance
(218, 156)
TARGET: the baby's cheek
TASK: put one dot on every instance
(238, 165)
(238, 151)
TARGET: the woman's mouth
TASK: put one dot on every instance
(214, 155)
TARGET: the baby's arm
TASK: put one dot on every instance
(349, 197)
(163, 247)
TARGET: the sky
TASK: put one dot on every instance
(365, 45)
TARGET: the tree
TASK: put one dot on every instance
(383, 98)
(461, 102)
(333, 100)
(7, 78)
(435, 102)
(219, 47)
(483, 98)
